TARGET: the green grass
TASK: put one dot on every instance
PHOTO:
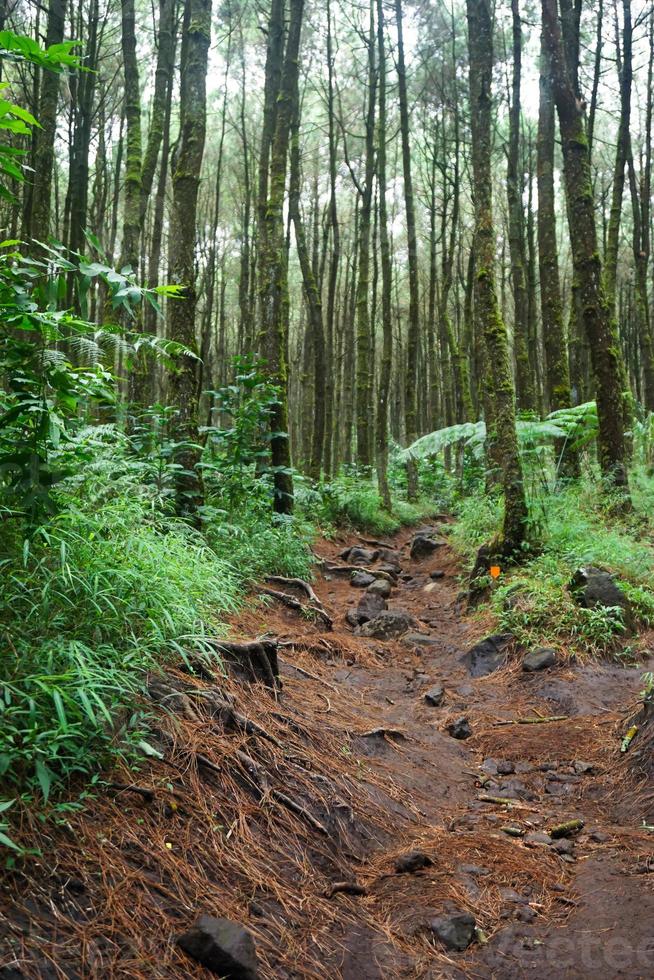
(90, 604)
(109, 589)
(351, 502)
(114, 586)
(574, 527)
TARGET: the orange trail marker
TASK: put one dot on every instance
(495, 571)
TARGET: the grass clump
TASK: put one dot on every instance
(111, 587)
(91, 603)
(575, 527)
(350, 502)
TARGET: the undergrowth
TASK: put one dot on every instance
(113, 586)
(109, 588)
(573, 527)
(348, 501)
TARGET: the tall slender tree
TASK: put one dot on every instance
(515, 187)
(413, 336)
(604, 349)
(500, 382)
(186, 167)
(551, 304)
(273, 254)
(383, 392)
(364, 360)
(37, 213)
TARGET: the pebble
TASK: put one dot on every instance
(460, 728)
(412, 861)
(434, 696)
(537, 837)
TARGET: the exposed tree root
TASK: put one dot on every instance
(345, 888)
(293, 603)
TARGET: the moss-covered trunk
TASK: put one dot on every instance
(501, 392)
(273, 265)
(133, 150)
(551, 304)
(37, 220)
(186, 167)
(596, 312)
(525, 393)
(365, 362)
(381, 431)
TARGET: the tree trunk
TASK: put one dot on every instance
(381, 432)
(132, 196)
(365, 364)
(311, 294)
(413, 336)
(37, 218)
(525, 395)
(587, 263)
(641, 192)
(551, 304)
(273, 255)
(335, 256)
(186, 167)
(164, 70)
(501, 392)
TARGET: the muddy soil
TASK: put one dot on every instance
(337, 777)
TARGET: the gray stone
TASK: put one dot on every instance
(352, 618)
(505, 768)
(388, 625)
(361, 580)
(460, 728)
(563, 846)
(474, 869)
(222, 946)
(370, 605)
(525, 914)
(539, 659)
(359, 556)
(537, 837)
(423, 545)
(434, 696)
(412, 861)
(511, 895)
(420, 640)
(593, 587)
(455, 931)
(388, 568)
(390, 556)
(583, 768)
(380, 587)
(488, 655)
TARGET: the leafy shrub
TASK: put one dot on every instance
(348, 501)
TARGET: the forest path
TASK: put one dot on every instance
(578, 907)
(255, 805)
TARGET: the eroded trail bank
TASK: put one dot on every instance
(341, 822)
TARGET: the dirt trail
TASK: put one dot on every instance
(117, 883)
